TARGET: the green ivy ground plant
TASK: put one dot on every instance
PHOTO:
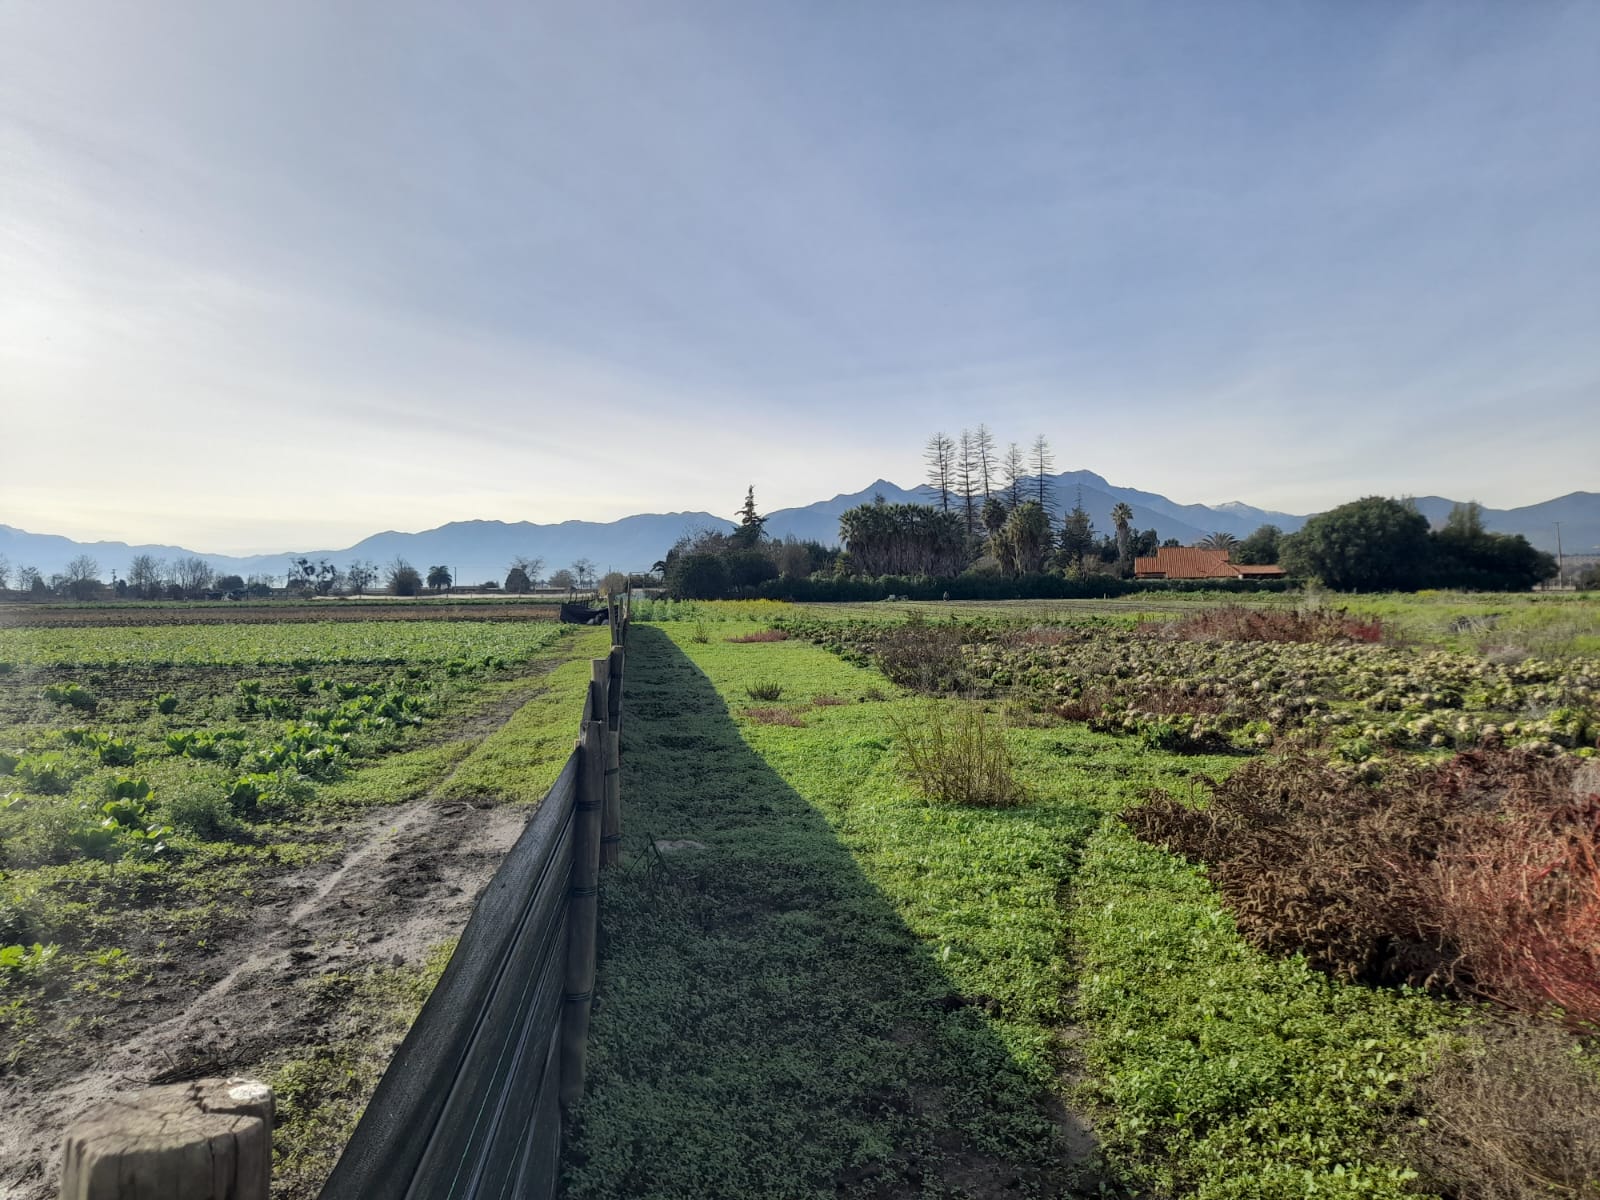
(827, 984)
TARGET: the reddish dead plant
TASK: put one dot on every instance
(1519, 891)
(1237, 623)
(774, 716)
(1479, 876)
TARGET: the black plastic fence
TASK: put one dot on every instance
(471, 1105)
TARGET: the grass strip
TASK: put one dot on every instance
(840, 988)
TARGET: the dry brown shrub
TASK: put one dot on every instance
(1519, 892)
(924, 656)
(761, 635)
(1477, 876)
(1042, 637)
(958, 756)
(826, 701)
(1512, 1113)
(1088, 705)
(774, 716)
(1237, 623)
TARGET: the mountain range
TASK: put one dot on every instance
(481, 550)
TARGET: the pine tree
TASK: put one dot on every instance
(983, 446)
(1015, 471)
(966, 481)
(750, 521)
(940, 457)
(1077, 536)
(1043, 460)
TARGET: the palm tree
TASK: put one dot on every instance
(1121, 518)
(1218, 541)
(439, 577)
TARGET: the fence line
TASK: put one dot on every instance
(472, 1102)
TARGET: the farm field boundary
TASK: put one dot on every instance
(289, 946)
(1110, 973)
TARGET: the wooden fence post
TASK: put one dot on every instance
(583, 905)
(612, 818)
(206, 1140)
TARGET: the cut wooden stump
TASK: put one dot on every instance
(206, 1140)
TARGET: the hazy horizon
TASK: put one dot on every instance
(289, 275)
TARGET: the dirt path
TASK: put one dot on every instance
(407, 881)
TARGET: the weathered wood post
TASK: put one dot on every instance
(611, 817)
(583, 904)
(206, 1140)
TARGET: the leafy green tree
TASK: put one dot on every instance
(1259, 549)
(517, 581)
(750, 522)
(698, 575)
(1465, 520)
(994, 516)
(1372, 544)
(1077, 538)
(1469, 556)
(564, 580)
(1023, 546)
(404, 579)
(439, 578)
(903, 539)
(1122, 522)
(229, 583)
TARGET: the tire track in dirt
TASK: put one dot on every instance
(407, 881)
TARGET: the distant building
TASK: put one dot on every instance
(1187, 562)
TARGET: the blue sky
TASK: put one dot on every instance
(285, 274)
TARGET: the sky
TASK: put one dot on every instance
(287, 274)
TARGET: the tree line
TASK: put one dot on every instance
(993, 518)
(193, 578)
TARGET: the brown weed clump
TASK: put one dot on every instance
(1510, 1112)
(775, 716)
(924, 657)
(1237, 623)
(1479, 876)
(761, 635)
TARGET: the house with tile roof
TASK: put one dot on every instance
(1190, 562)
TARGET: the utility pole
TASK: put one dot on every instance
(1561, 564)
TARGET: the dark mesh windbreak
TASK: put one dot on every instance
(473, 1059)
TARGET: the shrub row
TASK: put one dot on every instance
(1477, 876)
(818, 590)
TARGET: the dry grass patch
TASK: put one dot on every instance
(958, 755)
(775, 716)
(1511, 1113)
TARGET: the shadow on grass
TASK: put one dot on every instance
(767, 1025)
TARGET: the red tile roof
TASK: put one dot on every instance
(1190, 562)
